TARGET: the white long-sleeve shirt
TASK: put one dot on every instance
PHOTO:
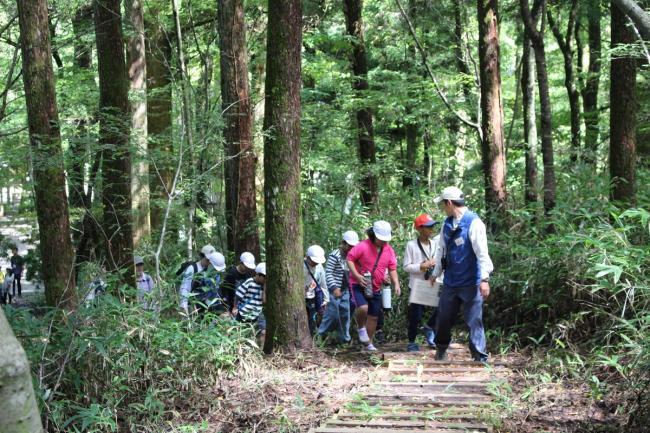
(186, 284)
(413, 257)
(478, 237)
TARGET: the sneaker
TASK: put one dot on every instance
(481, 359)
(430, 336)
(412, 347)
(370, 348)
(363, 335)
(380, 338)
(441, 355)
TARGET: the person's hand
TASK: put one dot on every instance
(337, 292)
(386, 279)
(484, 288)
(398, 291)
(363, 282)
(424, 266)
(234, 312)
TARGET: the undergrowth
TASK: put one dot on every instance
(112, 366)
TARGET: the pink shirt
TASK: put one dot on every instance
(364, 255)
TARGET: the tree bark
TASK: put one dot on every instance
(367, 152)
(590, 93)
(530, 122)
(114, 125)
(285, 306)
(241, 201)
(18, 409)
(137, 69)
(623, 108)
(81, 25)
(46, 155)
(566, 46)
(637, 14)
(159, 122)
(492, 148)
(546, 121)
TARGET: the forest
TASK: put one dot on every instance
(156, 133)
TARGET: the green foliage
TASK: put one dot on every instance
(111, 366)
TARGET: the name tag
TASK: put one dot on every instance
(459, 242)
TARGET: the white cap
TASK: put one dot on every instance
(217, 260)
(248, 259)
(208, 249)
(261, 269)
(351, 238)
(317, 254)
(450, 193)
(138, 260)
(382, 230)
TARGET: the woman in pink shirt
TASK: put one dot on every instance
(368, 262)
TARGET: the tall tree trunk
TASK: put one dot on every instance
(241, 202)
(623, 107)
(367, 154)
(590, 92)
(46, 156)
(18, 409)
(565, 43)
(546, 121)
(410, 169)
(186, 130)
(81, 24)
(530, 122)
(159, 121)
(114, 125)
(285, 306)
(492, 149)
(137, 69)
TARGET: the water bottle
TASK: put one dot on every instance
(368, 289)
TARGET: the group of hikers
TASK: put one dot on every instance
(11, 278)
(446, 271)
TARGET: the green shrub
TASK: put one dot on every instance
(113, 366)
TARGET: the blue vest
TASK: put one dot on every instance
(461, 267)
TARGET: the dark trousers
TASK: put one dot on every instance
(312, 315)
(448, 307)
(415, 313)
(17, 284)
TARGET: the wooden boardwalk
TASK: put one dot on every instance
(415, 393)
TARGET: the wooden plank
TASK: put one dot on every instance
(464, 362)
(404, 368)
(405, 423)
(432, 414)
(391, 430)
(439, 399)
(436, 388)
(439, 378)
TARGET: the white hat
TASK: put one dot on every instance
(208, 249)
(382, 230)
(261, 269)
(138, 260)
(450, 193)
(317, 254)
(351, 238)
(217, 260)
(247, 259)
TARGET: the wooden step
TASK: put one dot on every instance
(402, 424)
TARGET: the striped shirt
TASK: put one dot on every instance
(334, 270)
(250, 299)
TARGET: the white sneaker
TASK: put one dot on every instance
(363, 335)
(370, 348)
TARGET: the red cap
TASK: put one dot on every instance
(424, 220)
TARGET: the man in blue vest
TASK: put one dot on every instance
(463, 255)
